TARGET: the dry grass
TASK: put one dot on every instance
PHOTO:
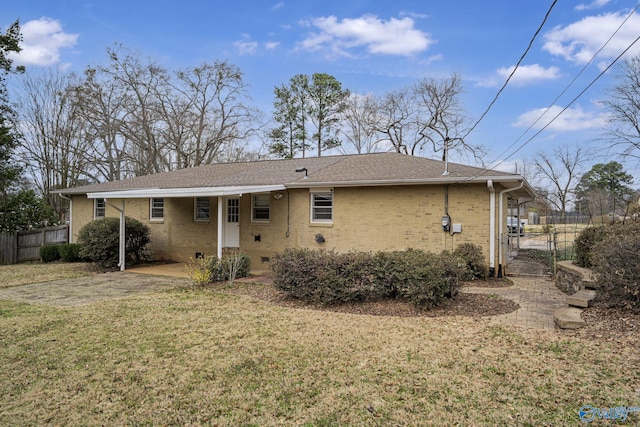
(193, 357)
(24, 274)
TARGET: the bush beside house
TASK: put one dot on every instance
(320, 277)
(100, 238)
(613, 253)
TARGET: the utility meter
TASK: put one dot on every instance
(446, 223)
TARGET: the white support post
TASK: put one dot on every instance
(220, 225)
(123, 239)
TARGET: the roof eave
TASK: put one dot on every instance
(184, 192)
(418, 181)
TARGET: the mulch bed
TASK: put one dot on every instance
(603, 323)
(609, 324)
(469, 305)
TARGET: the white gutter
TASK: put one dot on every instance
(492, 228)
(500, 231)
(364, 183)
(185, 192)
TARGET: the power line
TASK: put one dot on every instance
(563, 91)
(486, 111)
(582, 92)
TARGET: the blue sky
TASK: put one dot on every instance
(370, 47)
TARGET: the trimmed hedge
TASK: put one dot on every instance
(69, 252)
(100, 239)
(49, 253)
(328, 278)
(476, 267)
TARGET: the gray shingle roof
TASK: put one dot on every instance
(363, 169)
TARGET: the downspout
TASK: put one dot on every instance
(492, 228)
(500, 231)
(122, 256)
(220, 209)
(70, 232)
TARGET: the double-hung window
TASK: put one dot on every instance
(99, 208)
(322, 207)
(260, 208)
(157, 209)
(202, 209)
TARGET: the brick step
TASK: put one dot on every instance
(568, 318)
(581, 298)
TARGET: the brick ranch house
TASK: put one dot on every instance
(367, 202)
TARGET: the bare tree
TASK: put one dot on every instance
(441, 118)
(396, 120)
(140, 84)
(144, 119)
(562, 170)
(624, 107)
(207, 114)
(52, 146)
(425, 117)
(359, 118)
(100, 103)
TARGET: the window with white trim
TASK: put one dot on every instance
(202, 209)
(260, 208)
(157, 209)
(99, 208)
(322, 207)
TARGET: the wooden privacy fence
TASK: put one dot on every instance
(25, 245)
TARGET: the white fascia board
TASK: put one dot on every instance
(185, 192)
(443, 180)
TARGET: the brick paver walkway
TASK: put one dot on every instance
(536, 294)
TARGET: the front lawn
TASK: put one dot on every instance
(24, 274)
(192, 357)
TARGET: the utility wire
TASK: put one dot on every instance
(493, 163)
(582, 92)
(486, 111)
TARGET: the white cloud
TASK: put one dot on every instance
(578, 42)
(596, 4)
(246, 46)
(42, 40)
(392, 37)
(527, 74)
(277, 6)
(573, 119)
(271, 45)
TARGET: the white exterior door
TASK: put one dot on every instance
(232, 223)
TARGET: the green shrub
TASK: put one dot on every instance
(584, 243)
(100, 241)
(616, 261)
(328, 278)
(309, 275)
(49, 253)
(428, 279)
(476, 267)
(70, 252)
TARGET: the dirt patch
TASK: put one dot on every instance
(90, 289)
(467, 305)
